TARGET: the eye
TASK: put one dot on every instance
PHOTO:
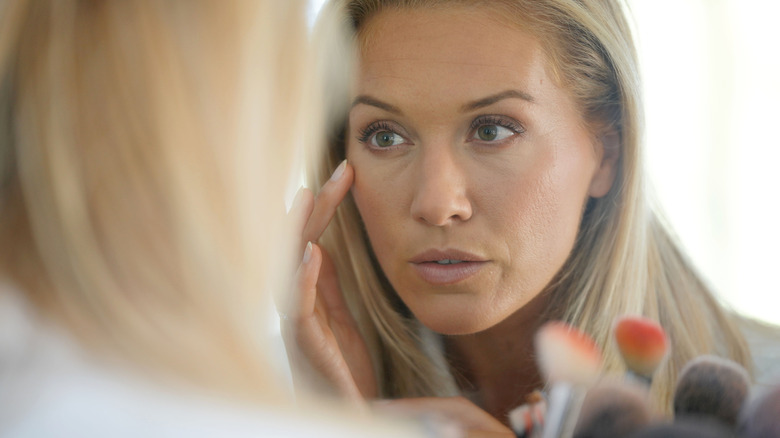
(493, 133)
(494, 129)
(385, 139)
(382, 135)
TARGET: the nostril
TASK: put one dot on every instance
(442, 210)
(440, 195)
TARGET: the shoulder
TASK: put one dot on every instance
(125, 415)
(763, 340)
(53, 387)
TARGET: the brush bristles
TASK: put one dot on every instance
(711, 386)
(642, 343)
(614, 408)
(761, 416)
(566, 354)
(686, 428)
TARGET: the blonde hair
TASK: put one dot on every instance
(625, 259)
(144, 148)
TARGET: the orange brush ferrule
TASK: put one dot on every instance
(642, 343)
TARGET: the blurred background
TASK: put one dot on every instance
(712, 91)
(711, 71)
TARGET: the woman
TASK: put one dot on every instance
(495, 182)
(140, 145)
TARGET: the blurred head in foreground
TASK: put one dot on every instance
(144, 146)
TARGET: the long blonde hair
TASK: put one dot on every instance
(145, 145)
(625, 259)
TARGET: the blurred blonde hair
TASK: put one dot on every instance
(625, 259)
(145, 146)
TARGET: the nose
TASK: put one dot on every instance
(441, 194)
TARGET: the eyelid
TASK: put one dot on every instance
(364, 134)
(498, 120)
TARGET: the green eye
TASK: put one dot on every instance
(492, 133)
(384, 139)
(487, 132)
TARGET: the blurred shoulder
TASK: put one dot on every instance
(50, 386)
(764, 341)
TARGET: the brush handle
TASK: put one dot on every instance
(521, 420)
(527, 420)
(639, 378)
(564, 409)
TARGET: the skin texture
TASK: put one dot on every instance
(487, 156)
(514, 203)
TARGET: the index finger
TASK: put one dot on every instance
(327, 200)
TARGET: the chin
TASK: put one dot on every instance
(466, 315)
(454, 323)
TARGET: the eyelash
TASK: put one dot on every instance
(501, 121)
(364, 135)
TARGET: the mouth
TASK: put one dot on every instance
(448, 262)
(443, 267)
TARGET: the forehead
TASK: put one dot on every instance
(459, 49)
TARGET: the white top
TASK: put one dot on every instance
(49, 386)
(764, 343)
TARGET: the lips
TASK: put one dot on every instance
(443, 267)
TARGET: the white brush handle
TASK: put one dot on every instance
(565, 403)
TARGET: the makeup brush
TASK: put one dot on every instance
(527, 420)
(571, 362)
(643, 345)
(760, 417)
(613, 408)
(686, 428)
(711, 386)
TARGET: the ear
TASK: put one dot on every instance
(604, 176)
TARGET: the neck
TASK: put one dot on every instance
(498, 365)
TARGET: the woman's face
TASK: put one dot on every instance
(472, 167)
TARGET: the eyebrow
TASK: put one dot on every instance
(368, 100)
(490, 100)
(471, 106)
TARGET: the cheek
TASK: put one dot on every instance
(367, 199)
(543, 211)
(379, 204)
(568, 185)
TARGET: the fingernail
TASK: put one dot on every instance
(307, 253)
(297, 200)
(339, 171)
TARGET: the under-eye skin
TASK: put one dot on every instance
(381, 135)
(494, 129)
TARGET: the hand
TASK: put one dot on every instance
(472, 421)
(325, 333)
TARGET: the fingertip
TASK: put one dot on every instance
(344, 174)
(307, 201)
(308, 272)
(297, 199)
(339, 172)
(307, 194)
(302, 204)
(312, 253)
(349, 170)
(307, 253)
